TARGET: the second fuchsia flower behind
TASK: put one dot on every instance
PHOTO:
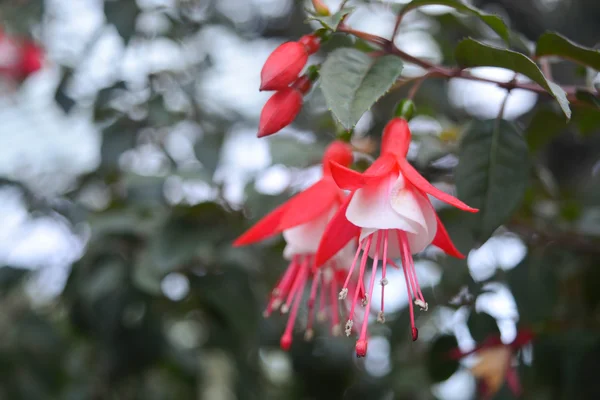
(389, 212)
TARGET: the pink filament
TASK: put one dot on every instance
(297, 282)
(311, 300)
(361, 274)
(287, 335)
(363, 332)
(409, 290)
(384, 262)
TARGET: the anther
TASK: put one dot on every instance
(349, 327)
(308, 335)
(336, 330)
(343, 294)
(380, 317)
(423, 305)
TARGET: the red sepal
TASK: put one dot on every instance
(309, 204)
(422, 184)
(300, 209)
(443, 241)
(264, 228)
(338, 233)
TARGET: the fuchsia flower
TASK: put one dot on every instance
(283, 107)
(389, 212)
(19, 58)
(302, 220)
(495, 364)
(286, 62)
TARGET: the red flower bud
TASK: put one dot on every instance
(311, 43)
(283, 66)
(31, 59)
(279, 111)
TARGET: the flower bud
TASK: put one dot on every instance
(283, 66)
(321, 8)
(31, 59)
(279, 111)
(405, 109)
(311, 43)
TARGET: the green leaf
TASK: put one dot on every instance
(353, 81)
(439, 363)
(492, 174)
(331, 22)
(471, 53)
(122, 14)
(482, 325)
(493, 21)
(534, 285)
(294, 153)
(61, 96)
(10, 277)
(208, 151)
(587, 119)
(544, 126)
(554, 44)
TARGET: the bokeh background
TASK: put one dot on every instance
(130, 161)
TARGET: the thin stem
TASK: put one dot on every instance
(388, 47)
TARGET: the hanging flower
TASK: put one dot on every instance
(302, 220)
(286, 62)
(390, 213)
(283, 107)
(495, 364)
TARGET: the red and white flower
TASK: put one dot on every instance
(390, 213)
(302, 221)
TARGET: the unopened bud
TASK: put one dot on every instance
(279, 111)
(405, 109)
(321, 8)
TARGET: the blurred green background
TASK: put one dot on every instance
(129, 163)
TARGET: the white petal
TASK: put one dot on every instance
(425, 236)
(305, 238)
(371, 207)
(404, 201)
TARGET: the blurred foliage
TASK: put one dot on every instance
(117, 331)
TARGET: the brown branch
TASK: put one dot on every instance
(433, 70)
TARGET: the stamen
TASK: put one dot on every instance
(405, 245)
(363, 263)
(348, 328)
(303, 267)
(335, 317)
(384, 280)
(287, 279)
(380, 317)
(311, 300)
(286, 339)
(308, 335)
(352, 266)
(322, 315)
(408, 286)
(360, 349)
(343, 294)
